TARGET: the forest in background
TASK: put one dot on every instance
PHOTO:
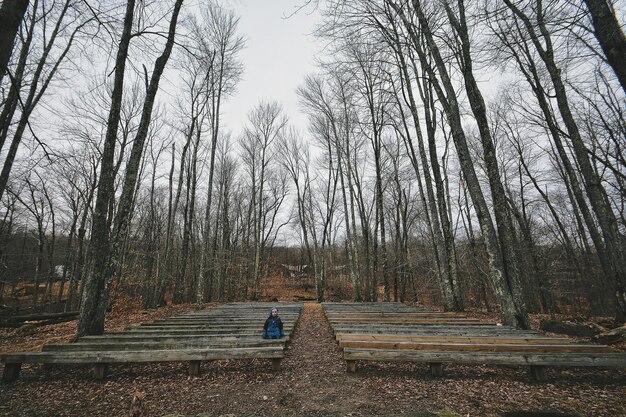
(465, 152)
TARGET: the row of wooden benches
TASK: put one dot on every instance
(365, 332)
(232, 331)
(396, 332)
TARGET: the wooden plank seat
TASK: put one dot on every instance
(101, 359)
(205, 331)
(370, 336)
(383, 322)
(374, 325)
(166, 327)
(234, 314)
(406, 313)
(365, 305)
(170, 336)
(538, 339)
(438, 331)
(537, 361)
(428, 329)
(207, 324)
(241, 326)
(216, 322)
(188, 338)
(125, 343)
(477, 347)
(259, 318)
(408, 320)
(169, 339)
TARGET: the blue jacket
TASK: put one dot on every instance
(273, 327)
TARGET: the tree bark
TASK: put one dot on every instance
(610, 35)
(505, 228)
(512, 311)
(94, 290)
(105, 248)
(11, 14)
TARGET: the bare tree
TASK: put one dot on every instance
(534, 21)
(34, 196)
(331, 116)
(56, 28)
(166, 267)
(502, 260)
(220, 41)
(296, 162)
(104, 248)
(370, 70)
(265, 125)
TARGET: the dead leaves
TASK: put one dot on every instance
(313, 381)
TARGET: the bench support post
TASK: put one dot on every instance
(100, 370)
(538, 372)
(275, 364)
(11, 371)
(436, 369)
(351, 367)
(194, 368)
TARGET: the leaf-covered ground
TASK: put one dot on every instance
(312, 382)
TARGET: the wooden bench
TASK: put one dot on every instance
(101, 359)
(164, 342)
(537, 361)
(192, 338)
(439, 338)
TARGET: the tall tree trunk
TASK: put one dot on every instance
(383, 235)
(442, 191)
(13, 97)
(433, 211)
(166, 270)
(205, 281)
(96, 298)
(95, 293)
(77, 276)
(179, 288)
(610, 35)
(505, 227)
(191, 215)
(350, 240)
(11, 14)
(341, 129)
(512, 311)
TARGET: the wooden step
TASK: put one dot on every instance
(615, 360)
(451, 339)
(154, 337)
(385, 314)
(479, 347)
(165, 355)
(133, 344)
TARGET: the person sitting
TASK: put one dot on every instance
(273, 327)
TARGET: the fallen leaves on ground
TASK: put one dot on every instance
(312, 381)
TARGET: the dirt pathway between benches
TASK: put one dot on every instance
(314, 379)
(312, 382)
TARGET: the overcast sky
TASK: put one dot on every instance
(279, 52)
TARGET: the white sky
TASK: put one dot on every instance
(279, 52)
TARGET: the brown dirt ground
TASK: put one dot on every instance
(312, 381)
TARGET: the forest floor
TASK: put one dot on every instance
(312, 382)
